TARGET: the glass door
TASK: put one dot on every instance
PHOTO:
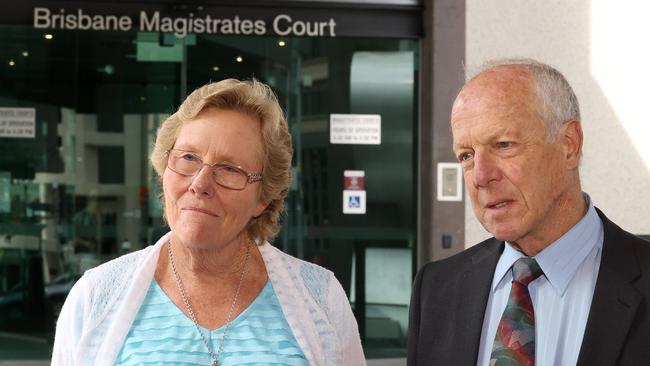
(79, 191)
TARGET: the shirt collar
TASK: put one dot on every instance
(560, 260)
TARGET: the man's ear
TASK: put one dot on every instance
(572, 137)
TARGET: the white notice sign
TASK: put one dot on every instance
(355, 129)
(18, 122)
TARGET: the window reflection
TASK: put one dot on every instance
(81, 192)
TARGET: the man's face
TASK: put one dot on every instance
(516, 179)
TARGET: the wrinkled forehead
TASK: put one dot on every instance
(503, 88)
(504, 83)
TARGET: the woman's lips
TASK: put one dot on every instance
(201, 210)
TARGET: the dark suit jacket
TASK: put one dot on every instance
(450, 297)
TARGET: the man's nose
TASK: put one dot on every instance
(202, 182)
(485, 170)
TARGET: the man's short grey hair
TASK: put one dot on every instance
(558, 102)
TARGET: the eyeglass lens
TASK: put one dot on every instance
(225, 175)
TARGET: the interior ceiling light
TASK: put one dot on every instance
(108, 69)
(239, 59)
(25, 53)
(12, 63)
(215, 68)
(48, 36)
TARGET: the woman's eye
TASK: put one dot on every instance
(189, 157)
(230, 169)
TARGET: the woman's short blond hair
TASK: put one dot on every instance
(256, 100)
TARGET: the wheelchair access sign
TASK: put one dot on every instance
(354, 194)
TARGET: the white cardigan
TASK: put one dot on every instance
(100, 308)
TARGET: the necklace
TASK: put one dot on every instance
(213, 356)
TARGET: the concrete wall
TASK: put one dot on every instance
(602, 49)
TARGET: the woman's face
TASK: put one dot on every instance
(200, 212)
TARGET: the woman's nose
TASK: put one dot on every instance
(203, 182)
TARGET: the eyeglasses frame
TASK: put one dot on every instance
(250, 177)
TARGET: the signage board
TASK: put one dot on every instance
(294, 19)
(182, 25)
(354, 180)
(18, 122)
(354, 194)
(355, 129)
(354, 202)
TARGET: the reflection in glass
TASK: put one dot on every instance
(80, 192)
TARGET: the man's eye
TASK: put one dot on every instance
(504, 144)
(464, 156)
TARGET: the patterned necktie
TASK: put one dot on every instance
(514, 344)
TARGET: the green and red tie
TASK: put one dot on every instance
(514, 344)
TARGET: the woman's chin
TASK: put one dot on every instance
(195, 239)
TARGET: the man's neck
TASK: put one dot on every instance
(568, 212)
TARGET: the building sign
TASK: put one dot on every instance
(354, 194)
(450, 187)
(355, 129)
(300, 18)
(18, 122)
(200, 23)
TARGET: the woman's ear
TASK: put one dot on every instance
(259, 209)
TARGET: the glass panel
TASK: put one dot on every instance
(81, 192)
(77, 193)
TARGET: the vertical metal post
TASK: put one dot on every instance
(297, 149)
(360, 288)
(183, 87)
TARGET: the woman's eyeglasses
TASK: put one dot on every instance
(226, 175)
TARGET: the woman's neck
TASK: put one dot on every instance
(207, 264)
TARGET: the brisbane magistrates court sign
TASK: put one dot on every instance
(296, 18)
(281, 24)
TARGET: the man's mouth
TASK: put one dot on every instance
(498, 204)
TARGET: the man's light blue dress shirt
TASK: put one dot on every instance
(561, 297)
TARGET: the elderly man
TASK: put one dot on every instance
(559, 284)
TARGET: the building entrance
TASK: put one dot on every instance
(76, 188)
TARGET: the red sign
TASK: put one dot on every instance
(353, 180)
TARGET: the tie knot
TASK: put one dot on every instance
(526, 270)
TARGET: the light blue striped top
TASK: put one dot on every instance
(162, 334)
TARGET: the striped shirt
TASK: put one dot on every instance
(162, 334)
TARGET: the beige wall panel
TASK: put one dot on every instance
(600, 47)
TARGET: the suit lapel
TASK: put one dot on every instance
(472, 300)
(615, 300)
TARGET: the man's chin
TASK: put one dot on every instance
(503, 234)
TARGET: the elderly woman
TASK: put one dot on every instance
(213, 291)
